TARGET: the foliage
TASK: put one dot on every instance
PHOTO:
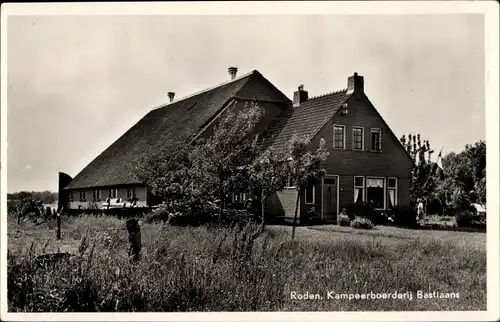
(365, 210)
(464, 218)
(232, 147)
(424, 176)
(361, 223)
(192, 172)
(464, 177)
(305, 167)
(45, 197)
(159, 214)
(265, 176)
(405, 216)
(343, 220)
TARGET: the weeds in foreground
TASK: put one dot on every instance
(222, 269)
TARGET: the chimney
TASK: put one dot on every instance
(232, 72)
(355, 84)
(171, 96)
(300, 96)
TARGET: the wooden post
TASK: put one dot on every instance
(58, 230)
(48, 212)
(134, 238)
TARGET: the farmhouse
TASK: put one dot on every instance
(366, 161)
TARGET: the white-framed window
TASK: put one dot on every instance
(338, 136)
(113, 193)
(359, 189)
(310, 195)
(82, 196)
(376, 136)
(130, 192)
(71, 196)
(392, 187)
(375, 192)
(239, 197)
(358, 142)
(96, 195)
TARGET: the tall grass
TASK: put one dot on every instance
(221, 269)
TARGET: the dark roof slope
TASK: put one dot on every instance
(114, 166)
(304, 121)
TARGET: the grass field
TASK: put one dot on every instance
(218, 269)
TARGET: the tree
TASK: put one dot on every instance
(189, 172)
(305, 167)
(423, 178)
(464, 176)
(166, 172)
(266, 175)
(232, 146)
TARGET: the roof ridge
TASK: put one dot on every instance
(256, 72)
(327, 94)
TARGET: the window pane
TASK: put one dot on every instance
(376, 143)
(338, 137)
(330, 181)
(375, 182)
(358, 181)
(375, 196)
(357, 139)
(358, 195)
(392, 183)
(392, 198)
(310, 195)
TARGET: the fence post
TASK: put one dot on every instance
(134, 238)
(58, 230)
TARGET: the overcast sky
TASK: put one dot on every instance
(75, 84)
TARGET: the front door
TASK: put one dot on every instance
(330, 198)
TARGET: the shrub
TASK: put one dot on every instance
(343, 220)
(405, 216)
(365, 210)
(464, 218)
(159, 214)
(361, 223)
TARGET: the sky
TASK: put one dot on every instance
(77, 83)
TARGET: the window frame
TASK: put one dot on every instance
(313, 195)
(96, 194)
(131, 192)
(343, 136)
(363, 189)
(395, 188)
(384, 194)
(379, 131)
(83, 196)
(111, 195)
(362, 138)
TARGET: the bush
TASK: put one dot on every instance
(343, 220)
(365, 210)
(159, 214)
(361, 223)
(405, 216)
(464, 218)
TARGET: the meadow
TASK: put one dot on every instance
(222, 269)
